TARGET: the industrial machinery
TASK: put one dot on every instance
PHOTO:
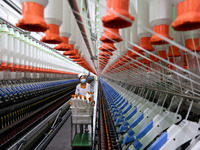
(144, 59)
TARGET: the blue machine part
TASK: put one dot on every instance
(137, 144)
(125, 123)
(124, 105)
(127, 109)
(114, 110)
(137, 120)
(131, 114)
(120, 103)
(144, 131)
(159, 142)
(130, 132)
(123, 128)
(119, 113)
(128, 139)
(119, 120)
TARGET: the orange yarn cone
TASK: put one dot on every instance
(107, 47)
(162, 30)
(189, 44)
(105, 53)
(113, 20)
(111, 36)
(188, 15)
(173, 51)
(64, 45)
(71, 52)
(52, 35)
(145, 43)
(32, 17)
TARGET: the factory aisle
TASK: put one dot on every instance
(62, 140)
(141, 58)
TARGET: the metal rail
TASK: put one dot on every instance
(40, 128)
(43, 144)
(195, 98)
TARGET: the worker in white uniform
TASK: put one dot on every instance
(82, 89)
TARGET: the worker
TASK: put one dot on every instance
(82, 89)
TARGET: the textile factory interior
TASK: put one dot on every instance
(100, 74)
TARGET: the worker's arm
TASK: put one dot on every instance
(88, 75)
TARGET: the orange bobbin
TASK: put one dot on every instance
(111, 36)
(78, 60)
(163, 30)
(123, 60)
(162, 54)
(89, 98)
(121, 63)
(64, 45)
(104, 57)
(52, 35)
(139, 64)
(105, 53)
(146, 61)
(10, 66)
(145, 43)
(173, 51)
(126, 57)
(188, 15)
(114, 20)
(107, 47)
(71, 52)
(84, 97)
(32, 17)
(30, 68)
(153, 58)
(103, 60)
(103, 63)
(77, 56)
(76, 95)
(26, 68)
(71, 46)
(16, 67)
(130, 54)
(192, 44)
(138, 51)
(21, 67)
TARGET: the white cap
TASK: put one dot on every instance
(80, 74)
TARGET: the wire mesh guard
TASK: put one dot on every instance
(150, 53)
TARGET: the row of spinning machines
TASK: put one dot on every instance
(144, 124)
(15, 91)
(25, 103)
